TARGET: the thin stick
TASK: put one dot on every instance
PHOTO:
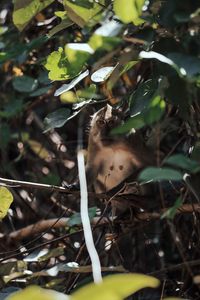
(18, 183)
(96, 266)
(44, 225)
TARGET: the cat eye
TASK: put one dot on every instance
(101, 122)
(111, 122)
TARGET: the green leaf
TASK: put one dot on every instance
(128, 66)
(51, 178)
(99, 42)
(105, 36)
(18, 50)
(69, 63)
(56, 119)
(40, 91)
(141, 97)
(24, 84)
(136, 122)
(6, 198)
(171, 212)
(148, 112)
(83, 3)
(82, 14)
(154, 111)
(115, 287)
(158, 174)
(129, 10)
(102, 74)
(12, 108)
(25, 10)
(65, 23)
(77, 55)
(75, 219)
(188, 65)
(183, 162)
(66, 87)
(185, 65)
(146, 106)
(58, 65)
(36, 292)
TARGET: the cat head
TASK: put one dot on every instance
(105, 119)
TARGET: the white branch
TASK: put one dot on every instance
(96, 266)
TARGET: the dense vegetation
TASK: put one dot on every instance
(60, 61)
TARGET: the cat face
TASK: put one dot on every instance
(104, 120)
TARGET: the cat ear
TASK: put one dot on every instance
(108, 112)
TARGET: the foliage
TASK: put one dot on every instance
(60, 61)
(6, 198)
(112, 287)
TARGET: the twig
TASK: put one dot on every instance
(44, 225)
(190, 263)
(22, 184)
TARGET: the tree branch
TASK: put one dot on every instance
(25, 184)
(45, 225)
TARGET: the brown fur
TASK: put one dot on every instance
(111, 159)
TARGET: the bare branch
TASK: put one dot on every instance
(45, 225)
(25, 184)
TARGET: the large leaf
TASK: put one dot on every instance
(129, 10)
(136, 122)
(19, 50)
(77, 55)
(146, 105)
(183, 162)
(25, 84)
(6, 198)
(56, 119)
(40, 91)
(36, 292)
(65, 23)
(58, 65)
(140, 98)
(102, 74)
(115, 287)
(12, 108)
(185, 65)
(158, 174)
(83, 11)
(68, 63)
(66, 87)
(105, 37)
(149, 115)
(75, 219)
(25, 10)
